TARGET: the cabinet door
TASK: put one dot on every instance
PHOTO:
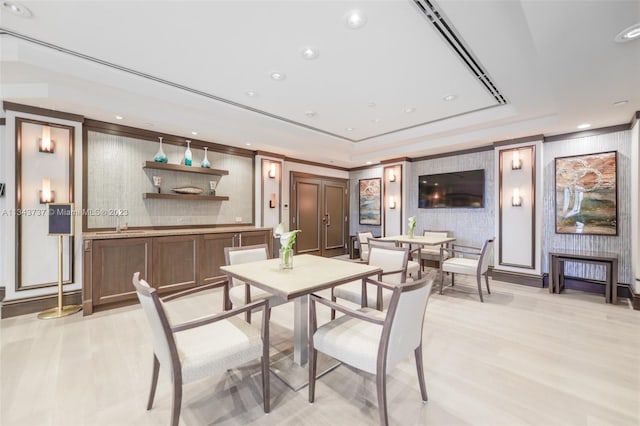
(212, 255)
(175, 262)
(250, 238)
(113, 264)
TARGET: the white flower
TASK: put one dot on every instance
(279, 230)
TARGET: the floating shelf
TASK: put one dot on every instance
(181, 168)
(185, 197)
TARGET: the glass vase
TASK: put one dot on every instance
(411, 232)
(205, 161)
(286, 258)
(160, 156)
(188, 157)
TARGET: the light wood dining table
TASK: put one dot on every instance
(308, 275)
(419, 240)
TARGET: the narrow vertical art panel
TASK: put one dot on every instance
(586, 194)
(370, 201)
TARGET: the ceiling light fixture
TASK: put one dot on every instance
(584, 126)
(309, 53)
(449, 98)
(248, 144)
(620, 103)
(375, 120)
(194, 133)
(119, 117)
(369, 162)
(250, 93)
(310, 113)
(278, 76)
(371, 104)
(349, 129)
(628, 34)
(17, 9)
(408, 110)
(355, 19)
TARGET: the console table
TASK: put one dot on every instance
(608, 260)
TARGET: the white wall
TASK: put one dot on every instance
(635, 204)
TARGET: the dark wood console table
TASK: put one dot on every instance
(608, 260)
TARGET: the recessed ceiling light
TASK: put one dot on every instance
(310, 113)
(17, 9)
(349, 129)
(620, 103)
(369, 162)
(584, 126)
(310, 53)
(355, 19)
(248, 144)
(371, 104)
(408, 110)
(628, 34)
(375, 120)
(119, 117)
(194, 133)
(278, 76)
(251, 93)
(449, 98)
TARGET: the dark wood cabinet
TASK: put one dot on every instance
(169, 263)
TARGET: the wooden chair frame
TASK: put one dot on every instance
(481, 252)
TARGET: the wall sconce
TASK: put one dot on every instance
(392, 203)
(45, 144)
(516, 162)
(272, 171)
(516, 199)
(46, 194)
(392, 176)
(272, 201)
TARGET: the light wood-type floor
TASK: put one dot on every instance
(524, 357)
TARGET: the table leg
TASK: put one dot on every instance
(301, 330)
(560, 285)
(552, 274)
(614, 281)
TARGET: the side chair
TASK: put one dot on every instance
(454, 262)
(373, 341)
(413, 268)
(431, 252)
(202, 347)
(363, 244)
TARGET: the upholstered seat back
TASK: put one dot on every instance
(485, 257)
(238, 255)
(390, 259)
(363, 244)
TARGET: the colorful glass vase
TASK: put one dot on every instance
(160, 156)
(205, 162)
(188, 158)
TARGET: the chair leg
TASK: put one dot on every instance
(441, 279)
(486, 280)
(453, 279)
(313, 364)
(266, 395)
(177, 401)
(420, 367)
(381, 386)
(479, 280)
(154, 381)
(333, 311)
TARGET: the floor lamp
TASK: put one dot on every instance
(60, 224)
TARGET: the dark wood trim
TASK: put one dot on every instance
(587, 133)
(148, 135)
(181, 168)
(385, 201)
(635, 119)
(454, 153)
(271, 154)
(526, 139)
(190, 197)
(518, 278)
(30, 305)
(368, 166)
(395, 160)
(313, 163)
(28, 109)
(3, 121)
(2, 293)
(636, 299)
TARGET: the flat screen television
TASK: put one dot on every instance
(446, 190)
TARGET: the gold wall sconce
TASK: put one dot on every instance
(46, 194)
(272, 201)
(392, 176)
(516, 162)
(272, 171)
(392, 203)
(45, 143)
(516, 199)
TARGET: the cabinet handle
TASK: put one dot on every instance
(240, 237)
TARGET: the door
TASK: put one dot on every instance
(320, 208)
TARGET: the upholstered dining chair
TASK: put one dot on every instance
(241, 293)
(373, 341)
(201, 347)
(432, 252)
(363, 244)
(413, 268)
(393, 262)
(454, 260)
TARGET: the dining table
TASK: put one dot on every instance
(309, 274)
(419, 240)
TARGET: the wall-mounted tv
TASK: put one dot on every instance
(446, 190)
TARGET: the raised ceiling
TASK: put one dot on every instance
(514, 68)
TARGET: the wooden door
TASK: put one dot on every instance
(320, 208)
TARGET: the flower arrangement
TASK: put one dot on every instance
(412, 226)
(287, 240)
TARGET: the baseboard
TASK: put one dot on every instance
(2, 293)
(590, 286)
(518, 278)
(14, 308)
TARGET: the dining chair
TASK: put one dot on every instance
(432, 252)
(363, 244)
(393, 262)
(373, 341)
(413, 268)
(202, 347)
(241, 293)
(453, 261)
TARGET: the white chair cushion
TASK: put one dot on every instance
(460, 265)
(352, 292)
(413, 268)
(216, 347)
(351, 340)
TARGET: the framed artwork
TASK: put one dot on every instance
(369, 190)
(587, 194)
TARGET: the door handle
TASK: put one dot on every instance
(328, 219)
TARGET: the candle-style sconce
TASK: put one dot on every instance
(272, 201)
(392, 203)
(392, 176)
(516, 161)
(212, 187)
(46, 195)
(45, 143)
(516, 199)
(272, 171)
(157, 182)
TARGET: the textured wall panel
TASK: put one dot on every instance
(620, 244)
(354, 212)
(116, 180)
